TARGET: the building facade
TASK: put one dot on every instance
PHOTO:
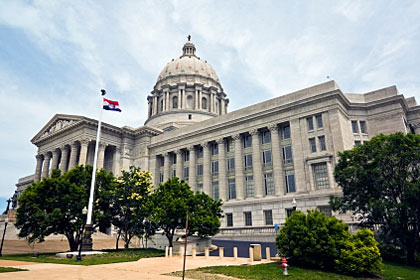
(262, 160)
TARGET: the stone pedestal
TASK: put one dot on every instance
(87, 243)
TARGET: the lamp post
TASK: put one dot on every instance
(6, 221)
(79, 256)
(294, 204)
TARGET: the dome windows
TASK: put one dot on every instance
(175, 102)
(204, 103)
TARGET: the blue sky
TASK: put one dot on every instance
(55, 56)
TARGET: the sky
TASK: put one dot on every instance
(55, 56)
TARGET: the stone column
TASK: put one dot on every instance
(73, 156)
(200, 95)
(179, 99)
(166, 167)
(54, 162)
(195, 100)
(222, 106)
(83, 151)
(64, 158)
(45, 168)
(298, 156)
(38, 168)
(179, 164)
(239, 167)
(155, 104)
(101, 156)
(192, 180)
(222, 169)
(154, 165)
(206, 169)
(168, 101)
(164, 101)
(184, 99)
(149, 108)
(277, 160)
(256, 164)
(116, 168)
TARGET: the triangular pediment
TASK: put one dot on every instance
(56, 125)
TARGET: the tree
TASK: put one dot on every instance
(54, 205)
(381, 186)
(171, 202)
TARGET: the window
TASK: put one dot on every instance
(287, 154)
(186, 172)
(325, 209)
(285, 132)
(248, 218)
(268, 217)
(268, 184)
(231, 165)
(161, 105)
(354, 126)
(203, 103)
(229, 145)
(215, 167)
(267, 159)
(319, 121)
(200, 187)
(312, 145)
(357, 143)
(363, 126)
(160, 177)
(186, 155)
(232, 188)
(289, 212)
(290, 181)
(248, 161)
(229, 219)
(215, 187)
(266, 137)
(214, 149)
(321, 175)
(175, 102)
(247, 141)
(162, 161)
(199, 170)
(310, 123)
(173, 159)
(249, 188)
(200, 152)
(322, 144)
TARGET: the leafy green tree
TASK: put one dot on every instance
(172, 201)
(381, 186)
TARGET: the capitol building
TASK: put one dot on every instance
(263, 161)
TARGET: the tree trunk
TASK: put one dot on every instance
(118, 239)
(72, 243)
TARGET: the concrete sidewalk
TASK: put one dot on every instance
(148, 268)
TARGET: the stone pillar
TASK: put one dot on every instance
(73, 156)
(166, 167)
(184, 99)
(83, 151)
(54, 162)
(257, 165)
(45, 168)
(196, 100)
(222, 106)
(155, 104)
(116, 168)
(65, 152)
(277, 160)
(179, 99)
(222, 169)
(154, 168)
(206, 169)
(38, 168)
(179, 164)
(239, 167)
(164, 101)
(200, 96)
(149, 108)
(101, 156)
(192, 180)
(298, 156)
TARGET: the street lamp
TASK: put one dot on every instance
(294, 204)
(79, 256)
(6, 221)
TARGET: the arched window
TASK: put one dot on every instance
(175, 102)
(204, 103)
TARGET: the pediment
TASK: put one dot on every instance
(56, 125)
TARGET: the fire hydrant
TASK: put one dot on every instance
(284, 265)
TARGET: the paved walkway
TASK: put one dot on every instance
(145, 269)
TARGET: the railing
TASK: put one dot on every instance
(266, 230)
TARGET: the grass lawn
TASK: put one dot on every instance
(273, 271)
(10, 269)
(111, 256)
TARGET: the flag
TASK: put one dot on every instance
(111, 105)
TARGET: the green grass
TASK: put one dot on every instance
(272, 271)
(10, 269)
(111, 256)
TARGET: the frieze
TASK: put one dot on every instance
(58, 125)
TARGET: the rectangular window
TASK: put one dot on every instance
(267, 158)
(285, 132)
(268, 217)
(215, 187)
(186, 172)
(200, 152)
(215, 167)
(357, 143)
(214, 149)
(186, 155)
(173, 159)
(325, 209)
(232, 188)
(248, 161)
(199, 170)
(160, 177)
(287, 154)
(229, 219)
(310, 123)
(354, 126)
(248, 218)
(363, 126)
(229, 145)
(319, 121)
(290, 181)
(249, 188)
(321, 175)
(247, 141)
(322, 144)
(312, 145)
(289, 212)
(231, 164)
(266, 137)
(200, 187)
(268, 184)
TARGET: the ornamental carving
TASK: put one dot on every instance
(220, 141)
(236, 137)
(58, 125)
(273, 127)
(253, 132)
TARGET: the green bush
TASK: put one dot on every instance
(360, 255)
